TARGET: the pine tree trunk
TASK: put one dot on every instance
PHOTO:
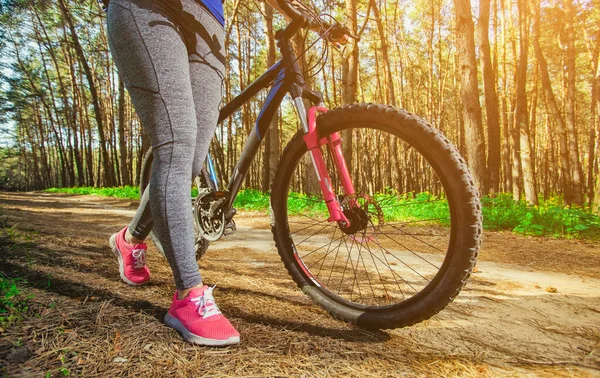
(271, 152)
(570, 106)
(475, 143)
(122, 142)
(109, 178)
(592, 141)
(506, 163)
(522, 114)
(596, 201)
(491, 98)
(350, 80)
(63, 92)
(565, 164)
(75, 112)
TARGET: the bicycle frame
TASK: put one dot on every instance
(277, 92)
(281, 85)
(286, 77)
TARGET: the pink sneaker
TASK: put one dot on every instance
(132, 259)
(199, 320)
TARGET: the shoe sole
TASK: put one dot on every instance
(195, 339)
(113, 245)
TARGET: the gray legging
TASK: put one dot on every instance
(170, 54)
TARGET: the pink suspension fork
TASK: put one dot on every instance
(334, 143)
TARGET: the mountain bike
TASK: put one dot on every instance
(373, 211)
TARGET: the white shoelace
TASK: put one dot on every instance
(139, 255)
(206, 304)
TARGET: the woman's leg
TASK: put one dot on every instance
(204, 38)
(206, 47)
(141, 224)
(152, 58)
(152, 53)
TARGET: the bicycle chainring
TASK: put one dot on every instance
(209, 215)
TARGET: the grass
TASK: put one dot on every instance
(550, 218)
(126, 192)
(13, 302)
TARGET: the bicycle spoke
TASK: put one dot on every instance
(413, 252)
(413, 234)
(322, 258)
(311, 223)
(310, 236)
(334, 260)
(387, 263)
(399, 197)
(377, 269)
(345, 266)
(394, 273)
(389, 267)
(326, 254)
(421, 240)
(353, 270)
(405, 264)
(364, 266)
(315, 250)
(307, 227)
(415, 221)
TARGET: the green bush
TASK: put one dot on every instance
(252, 200)
(410, 207)
(549, 218)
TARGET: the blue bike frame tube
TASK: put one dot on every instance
(211, 170)
(286, 77)
(282, 85)
(247, 94)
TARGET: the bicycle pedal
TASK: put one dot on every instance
(230, 228)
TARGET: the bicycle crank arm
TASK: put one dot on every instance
(230, 228)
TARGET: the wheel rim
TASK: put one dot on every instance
(401, 253)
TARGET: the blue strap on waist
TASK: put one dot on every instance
(215, 7)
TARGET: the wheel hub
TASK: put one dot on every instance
(359, 219)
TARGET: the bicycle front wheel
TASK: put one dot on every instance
(417, 226)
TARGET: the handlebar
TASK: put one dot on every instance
(292, 13)
(300, 20)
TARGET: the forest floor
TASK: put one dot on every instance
(532, 308)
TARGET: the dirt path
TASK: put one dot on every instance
(518, 316)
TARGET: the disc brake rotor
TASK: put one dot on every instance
(362, 212)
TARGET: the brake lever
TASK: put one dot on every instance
(338, 30)
(348, 32)
(354, 37)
